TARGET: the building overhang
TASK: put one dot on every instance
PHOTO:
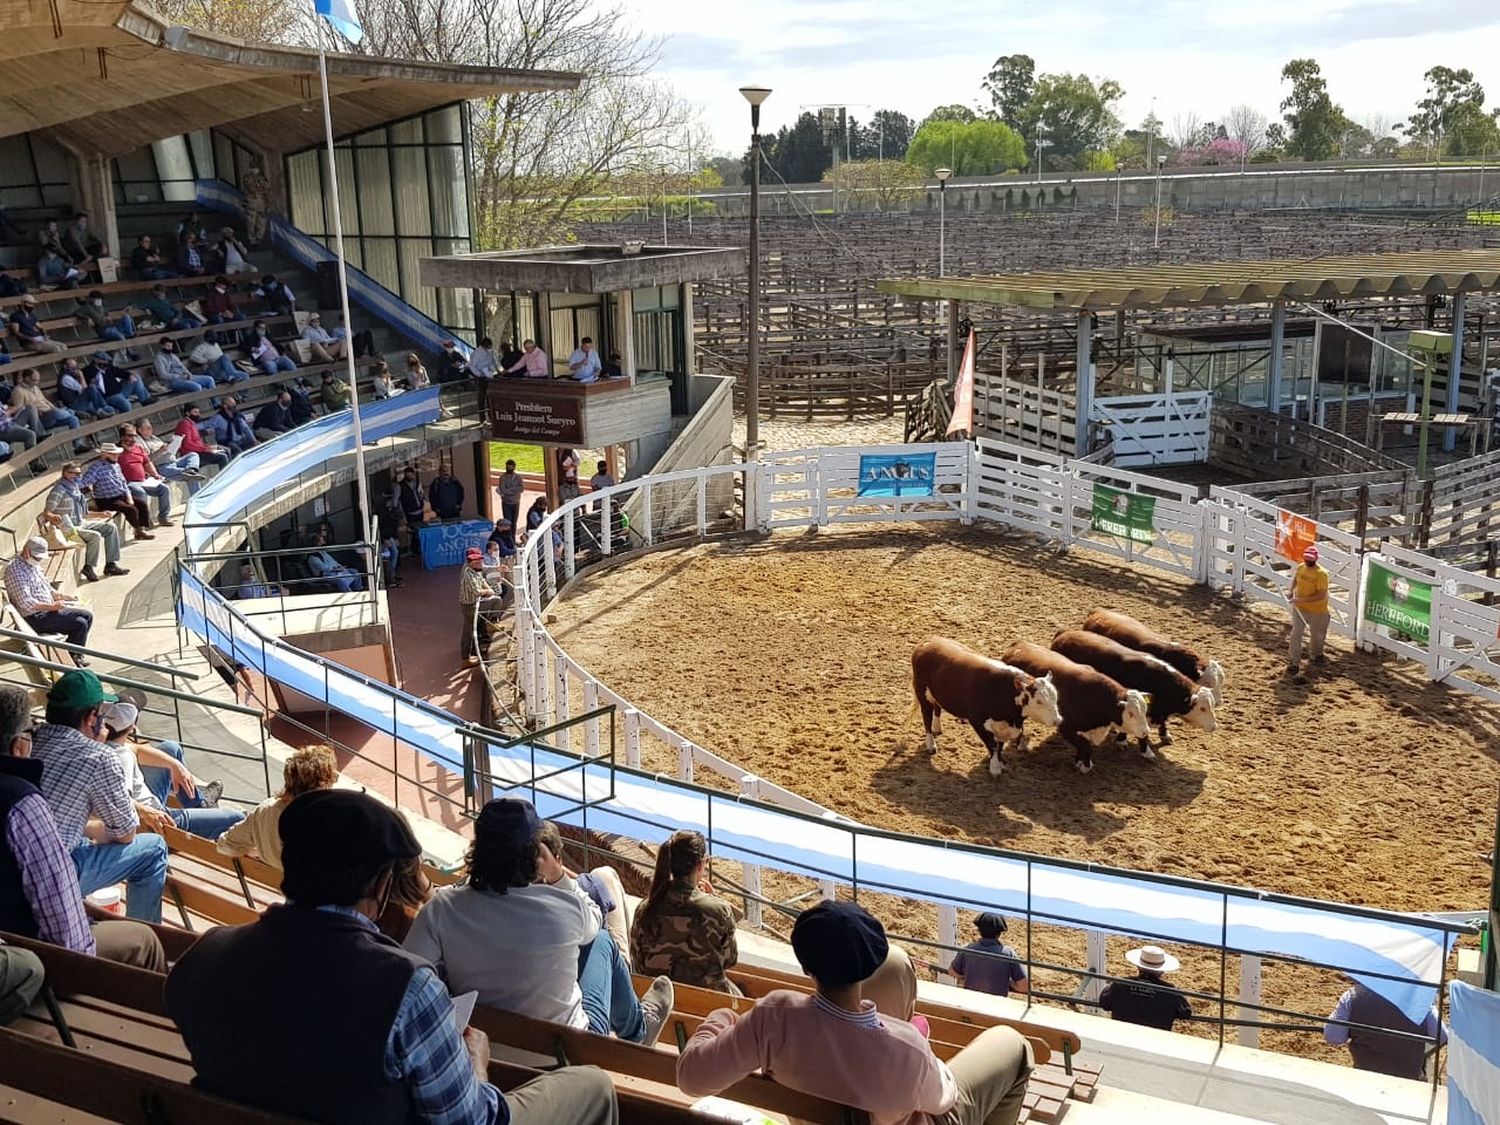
(584, 268)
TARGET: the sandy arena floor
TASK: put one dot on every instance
(791, 656)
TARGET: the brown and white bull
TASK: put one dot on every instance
(1132, 634)
(1095, 709)
(994, 698)
(1169, 692)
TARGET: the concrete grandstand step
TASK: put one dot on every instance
(1124, 1107)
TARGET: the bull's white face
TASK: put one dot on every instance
(1213, 679)
(1133, 715)
(1038, 701)
(1201, 713)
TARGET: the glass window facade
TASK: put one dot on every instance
(403, 196)
(33, 173)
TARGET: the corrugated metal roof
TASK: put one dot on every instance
(1220, 283)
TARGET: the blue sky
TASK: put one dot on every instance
(1197, 57)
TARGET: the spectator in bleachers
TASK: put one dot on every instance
(263, 351)
(306, 771)
(53, 271)
(446, 494)
(106, 482)
(85, 784)
(452, 366)
(80, 393)
(251, 586)
(1370, 1050)
(231, 429)
(511, 488)
(39, 893)
(91, 313)
(191, 227)
(601, 884)
(323, 565)
(536, 514)
(189, 261)
(218, 303)
(183, 466)
(503, 539)
(988, 966)
(302, 408)
(49, 236)
(27, 330)
(537, 948)
(146, 263)
(123, 387)
(27, 395)
(190, 429)
(416, 373)
(385, 385)
(19, 426)
(334, 1022)
(682, 929)
(175, 375)
(171, 317)
(533, 363)
(143, 477)
(81, 245)
(153, 773)
(44, 608)
(835, 1045)
(232, 252)
(276, 294)
(584, 363)
(323, 345)
(1147, 1000)
(218, 366)
(601, 480)
(67, 510)
(274, 418)
(411, 890)
(482, 361)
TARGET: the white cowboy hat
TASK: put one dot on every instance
(111, 447)
(1154, 959)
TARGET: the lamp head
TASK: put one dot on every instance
(942, 174)
(755, 95)
(1161, 160)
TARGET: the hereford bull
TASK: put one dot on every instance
(1094, 708)
(1168, 690)
(1132, 634)
(994, 698)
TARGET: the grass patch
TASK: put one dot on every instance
(528, 458)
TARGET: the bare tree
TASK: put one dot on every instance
(1247, 125)
(1187, 130)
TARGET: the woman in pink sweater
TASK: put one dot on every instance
(835, 1045)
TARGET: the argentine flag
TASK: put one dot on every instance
(1473, 1056)
(341, 14)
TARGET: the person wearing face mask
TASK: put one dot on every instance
(80, 394)
(85, 785)
(90, 312)
(230, 428)
(121, 385)
(211, 358)
(190, 429)
(174, 374)
(218, 303)
(263, 351)
(43, 608)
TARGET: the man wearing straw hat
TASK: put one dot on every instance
(1147, 1000)
(1308, 597)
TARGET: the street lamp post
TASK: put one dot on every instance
(1040, 144)
(942, 178)
(755, 95)
(1156, 237)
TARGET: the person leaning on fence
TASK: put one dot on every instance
(1147, 1000)
(836, 1045)
(988, 966)
(682, 929)
(1308, 598)
(1398, 1056)
(474, 590)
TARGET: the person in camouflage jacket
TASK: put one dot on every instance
(682, 929)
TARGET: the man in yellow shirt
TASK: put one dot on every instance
(1309, 601)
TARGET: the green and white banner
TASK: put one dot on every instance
(1398, 603)
(1125, 515)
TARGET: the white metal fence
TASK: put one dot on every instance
(1164, 429)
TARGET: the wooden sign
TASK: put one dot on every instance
(531, 414)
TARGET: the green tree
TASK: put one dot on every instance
(798, 154)
(1314, 124)
(1072, 114)
(960, 113)
(1473, 132)
(884, 183)
(1010, 84)
(888, 135)
(972, 149)
(1452, 118)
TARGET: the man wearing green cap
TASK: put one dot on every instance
(86, 787)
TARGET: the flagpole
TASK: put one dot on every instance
(367, 513)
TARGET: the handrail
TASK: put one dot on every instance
(84, 650)
(30, 661)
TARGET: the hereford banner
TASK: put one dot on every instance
(897, 474)
(1125, 515)
(1399, 603)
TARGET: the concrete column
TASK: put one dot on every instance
(1455, 366)
(626, 335)
(1278, 348)
(1085, 401)
(689, 344)
(93, 191)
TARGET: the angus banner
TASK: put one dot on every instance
(1398, 603)
(897, 474)
(1126, 515)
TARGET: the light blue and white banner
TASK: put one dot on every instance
(897, 474)
(343, 17)
(1473, 1056)
(444, 544)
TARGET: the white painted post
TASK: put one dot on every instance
(645, 528)
(543, 675)
(751, 494)
(820, 503)
(685, 761)
(560, 669)
(764, 475)
(947, 933)
(570, 540)
(591, 728)
(1097, 961)
(1249, 994)
(701, 482)
(750, 872)
(550, 563)
(971, 484)
(525, 669)
(632, 723)
(606, 526)
(827, 889)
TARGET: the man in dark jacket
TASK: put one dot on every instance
(230, 428)
(452, 366)
(275, 417)
(301, 406)
(334, 1021)
(146, 263)
(446, 495)
(1147, 1000)
(1402, 1056)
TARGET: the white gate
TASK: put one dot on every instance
(1170, 429)
(1177, 520)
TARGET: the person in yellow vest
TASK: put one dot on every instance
(1309, 601)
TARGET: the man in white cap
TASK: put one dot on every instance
(1147, 1000)
(46, 610)
(323, 345)
(1308, 597)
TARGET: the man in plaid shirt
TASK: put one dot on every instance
(85, 784)
(43, 608)
(111, 491)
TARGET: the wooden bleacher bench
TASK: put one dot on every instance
(110, 288)
(25, 361)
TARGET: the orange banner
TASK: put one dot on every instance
(1294, 534)
(963, 392)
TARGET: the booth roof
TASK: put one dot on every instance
(1427, 273)
(108, 77)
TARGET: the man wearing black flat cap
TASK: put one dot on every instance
(835, 1045)
(333, 1021)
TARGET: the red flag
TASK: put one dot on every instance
(963, 392)
(1294, 534)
